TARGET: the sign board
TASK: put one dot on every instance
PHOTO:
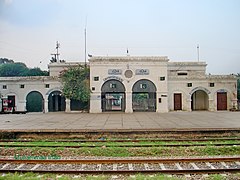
(113, 77)
(114, 71)
(142, 71)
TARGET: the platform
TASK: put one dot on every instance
(62, 121)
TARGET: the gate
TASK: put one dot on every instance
(144, 96)
(113, 96)
(144, 102)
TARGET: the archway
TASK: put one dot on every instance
(56, 102)
(34, 102)
(199, 101)
(144, 96)
(113, 96)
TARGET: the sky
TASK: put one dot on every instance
(29, 30)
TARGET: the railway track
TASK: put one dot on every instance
(121, 143)
(117, 145)
(123, 166)
(125, 140)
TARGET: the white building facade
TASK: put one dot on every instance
(127, 84)
(154, 84)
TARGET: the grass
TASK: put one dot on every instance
(114, 144)
(124, 151)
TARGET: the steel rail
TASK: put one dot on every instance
(118, 161)
(121, 140)
(121, 145)
(184, 171)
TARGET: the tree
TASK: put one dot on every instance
(12, 69)
(36, 72)
(9, 69)
(238, 86)
(76, 83)
(5, 61)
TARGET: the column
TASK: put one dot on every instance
(68, 101)
(162, 102)
(211, 105)
(95, 102)
(46, 105)
(128, 102)
(189, 104)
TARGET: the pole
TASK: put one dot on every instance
(85, 35)
(57, 47)
(198, 51)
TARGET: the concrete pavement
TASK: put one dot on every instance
(120, 121)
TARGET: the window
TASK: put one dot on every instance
(113, 85)
(93, 88)
(211, 84)
(189, 84)
(96, 78)
(47, 85)
(22, 86)
(4, 86)
(143, 86)
(162, 78)
(182, 74)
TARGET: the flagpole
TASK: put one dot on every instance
(198, 52)
(85, 35)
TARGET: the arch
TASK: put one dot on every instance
(34, 102)
(56, 101)
(139, 86)
(53, 89)
(199, 100)
(113, 85)
(200, 88)
(144, 96)
(113, 96)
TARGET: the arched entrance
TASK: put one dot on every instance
(56, 102)
(144, 96)
(199, 101)
(34, 102)
(113, 96)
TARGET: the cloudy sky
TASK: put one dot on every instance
(29, 30)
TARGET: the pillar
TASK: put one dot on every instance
(68, 108)
(129, 108)
(189, 104)
(46, 105)
(211, 106)
(95, 102)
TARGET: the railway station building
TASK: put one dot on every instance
(127, 84)
(154, 84)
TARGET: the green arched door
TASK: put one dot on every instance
(34, 102)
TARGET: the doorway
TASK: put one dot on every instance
(177, 101)
(113, 96)
(56, 102)
(221, 101)
(199, 100)
(144, 96)
(34, 102)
